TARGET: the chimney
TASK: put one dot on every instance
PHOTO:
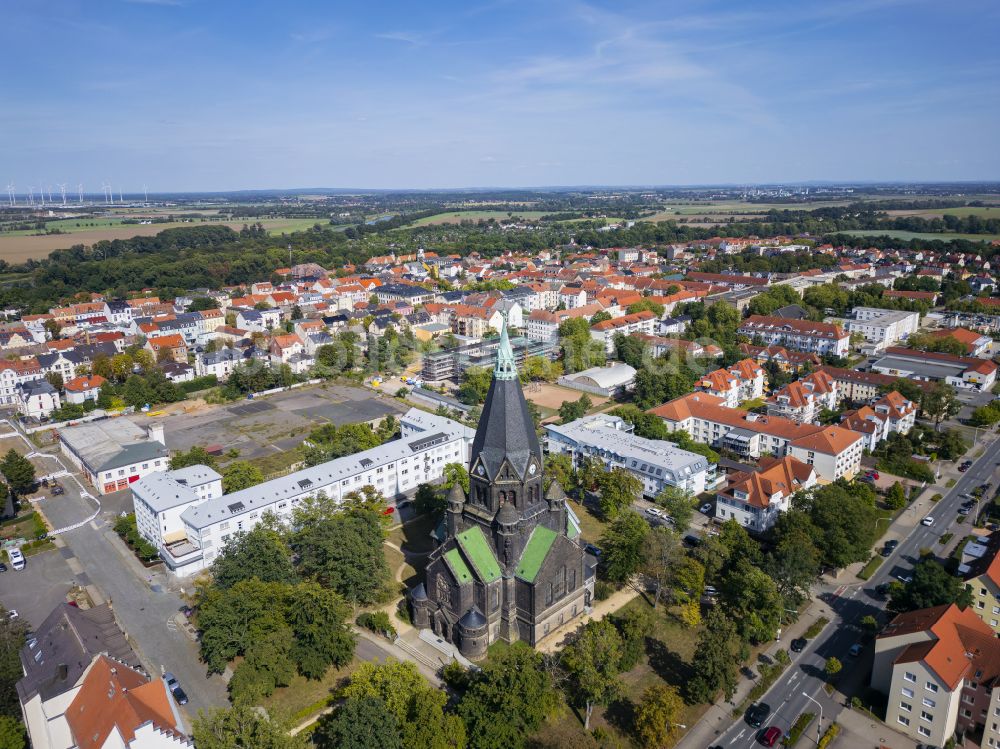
(155, 433)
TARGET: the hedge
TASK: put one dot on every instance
(831, 733)
(796, 731)
(199, 383)
(129, 532)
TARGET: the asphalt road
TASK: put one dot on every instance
(802, 682)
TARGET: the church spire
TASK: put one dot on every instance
(506, 367)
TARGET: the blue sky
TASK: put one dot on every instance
(218, 95)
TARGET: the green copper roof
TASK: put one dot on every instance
(458, 566)
(476, 548)
(506, 366)
(535, 552)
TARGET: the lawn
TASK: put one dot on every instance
(869, 569)
(669, 651)
(592, 527)
(754, 403)
(305, 697)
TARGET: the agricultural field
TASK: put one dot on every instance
(908, 235)
(16, 247)
(988, 211)
(457, 217)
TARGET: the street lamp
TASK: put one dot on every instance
(819, 726)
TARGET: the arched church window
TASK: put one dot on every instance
(513, 497)
(503, 497)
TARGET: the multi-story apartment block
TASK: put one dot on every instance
(803, 400)
(883, 327)
(835, 452)
(755, 499)
(605, 331)
(544, 326)
(819, 338)
(743, 381)
(610, 440)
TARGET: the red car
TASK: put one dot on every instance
(770, 736)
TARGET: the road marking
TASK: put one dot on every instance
(171, 624)
(794, 677)
(737, 737)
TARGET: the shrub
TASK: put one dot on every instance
(602, 590)
(831, 733)
(129, 532)
(782, 657)
(378, 622)
(936, 498)
(798, 728)
(199, 383)
(816, 627)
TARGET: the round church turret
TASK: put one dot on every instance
(473, 631)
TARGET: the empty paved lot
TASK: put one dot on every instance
(274, 423)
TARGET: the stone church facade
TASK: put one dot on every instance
(512, 565)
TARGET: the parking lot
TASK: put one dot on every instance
(274, 423)
(39, 587)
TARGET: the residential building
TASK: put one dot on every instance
(892, 413)
(976, 344)
(449, 364)
(803, 400)
(544, 326)
(114, 452)
(883, 327)
(938, 667)
(54, 662)
(786, 360)
(605, 331)
(834, 451)
(959, 371)
(220, 362)
(819, 338)
(756, 498)
(170, 346)
(83, 388)
(15, 372)
(745, 380)
(194, 520)
(610, 440)
(860, 387)
(394, 292)
(982, 580)
(36, 399)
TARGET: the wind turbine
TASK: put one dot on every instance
(145, 195)
(48, 189)
(79, 188)
(62, 189)
(104, 189)
(120, 198)
(31, 195)
(10, 194)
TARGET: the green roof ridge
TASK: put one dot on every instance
(474, 544)
(458, 566)
(535, 552)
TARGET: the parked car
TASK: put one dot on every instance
(175, 688)
(593, 550)
(770, 736)
(882, 589)
(706, 508)
(653, 512)
(873, 474)
(855, 650)
(3, 567)
(16, 559)
(757, 714)
(57, 489)
(928, 521)
(799, 644)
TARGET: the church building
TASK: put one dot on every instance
(512, 565)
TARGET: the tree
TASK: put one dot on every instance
(661, 550)
(507, 700)
(630, 350)
(656, 716)
(429, 500)
(751, 599)
(259, 553)
(18, 471)
(909, 389)
(679, 504)
(344, 551)
(592, 663)
(121, 366)
(622, 546)
(844, 516)
(12, 734)
(455, 473)
(579, 349)
(359, 723)
(143, 358)
(319, 620)
(197, 455)
(244, 727)
(475, 385)
(715, 663)
(240, 475)
(619, 489)
(895, 499)
(573, 410)
(12, 636)
(832, 667)
(429, 726)
(794, 561)
(941, 403)
(55, 380)
(932, 585)
(392, 682)
(600, 317)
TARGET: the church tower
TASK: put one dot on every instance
(511, 565)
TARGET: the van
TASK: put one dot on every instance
(16, 559)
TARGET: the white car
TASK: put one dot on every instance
(929, 520)
(706, 508)
(16, 559)
(653, 512)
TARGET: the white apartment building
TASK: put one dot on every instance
(802, 335)
(655, 463)
(17, 372)
(193, 523)
(639, 322)
(756, 499)
(883, 327)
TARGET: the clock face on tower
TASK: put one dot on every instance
(481, 470)
(532, 469)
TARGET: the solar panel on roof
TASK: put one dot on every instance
(305, 483)
(365, 462)
(236, 507)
